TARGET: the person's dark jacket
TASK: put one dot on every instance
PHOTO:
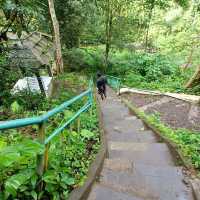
(101, 81)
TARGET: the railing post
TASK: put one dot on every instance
(70, 128)
(78, 125)
(40, 157)
(90, 96)
(119, 83)
(46, 156)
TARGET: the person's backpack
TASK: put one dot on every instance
(101, 81)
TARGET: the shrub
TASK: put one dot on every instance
(7, 80)
(29, 100)
(150, 66)
(90, 60)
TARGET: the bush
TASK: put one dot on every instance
(30, 101)
(90, 60)
(136, 69)
(7, 80)
(150, 66)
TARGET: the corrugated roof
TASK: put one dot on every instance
(34, 50)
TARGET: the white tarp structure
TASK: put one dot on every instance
(31, 84)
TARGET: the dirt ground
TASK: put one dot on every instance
(173, 112)
(141, 99)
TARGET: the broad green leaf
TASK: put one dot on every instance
(56, 196)
(15, 107)
(31, 147)
(2, 144)
(68, 180)
(87, 134)
(66, 194)
(68, 114)
(7, 160)
(34, 195)
(50, 177)
(50, 187)
(34, 180)
(13, 183)
(40, 195)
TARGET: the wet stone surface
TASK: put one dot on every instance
(138, 167)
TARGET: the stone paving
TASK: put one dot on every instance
(138, 167)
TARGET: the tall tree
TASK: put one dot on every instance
(59, 60)
(150, 5)
(73, 15)
(18, 16)
(108, 25)
(113, 10)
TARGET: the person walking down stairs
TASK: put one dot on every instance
(101, 85)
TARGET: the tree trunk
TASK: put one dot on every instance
(195, 79)
(189, 61)
(147, 38)
(109, 18)
(148, 25)
(59, 60)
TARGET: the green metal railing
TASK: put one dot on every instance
(114, 82)
(42, 159)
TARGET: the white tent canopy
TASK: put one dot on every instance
(31, 84)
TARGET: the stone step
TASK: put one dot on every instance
(148, 184)
(125, 126)
(137, 147)
(147, 153)
(115, 113)
(100, 192)
(118, 164)
(142, 136)
(124, 165)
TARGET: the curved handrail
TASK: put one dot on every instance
(114, 82)
(43, 118)
(42, 160)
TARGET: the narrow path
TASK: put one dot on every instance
(138, 167)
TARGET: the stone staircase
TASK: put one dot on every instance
(138, 167)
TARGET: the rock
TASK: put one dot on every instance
(116, 128)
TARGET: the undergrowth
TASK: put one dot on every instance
(149, 71)
(70, 153)
(138, 69)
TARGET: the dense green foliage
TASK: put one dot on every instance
(18, 16)
(150, 71)
(136, 69)
(69, 154)
(87, 60)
